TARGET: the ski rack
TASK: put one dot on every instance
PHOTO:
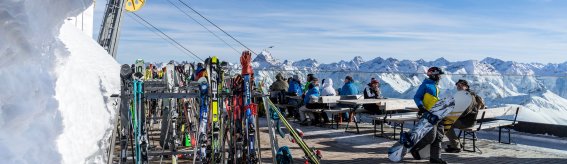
(169, 95)
(152, 89)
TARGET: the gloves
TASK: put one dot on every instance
(421, 110)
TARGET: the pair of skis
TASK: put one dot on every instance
(209, 91)
(138, 114)
(250, 130)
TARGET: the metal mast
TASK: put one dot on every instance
(110, 28)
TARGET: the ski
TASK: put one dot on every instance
(214, 85)
(138, 113)
(203, 118)
(250, 122)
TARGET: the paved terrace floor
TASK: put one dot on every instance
(341, 147)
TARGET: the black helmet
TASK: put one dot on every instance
(463, 82)
(434, 73)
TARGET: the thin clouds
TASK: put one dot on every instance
(333, 32)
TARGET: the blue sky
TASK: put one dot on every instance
(333, 30)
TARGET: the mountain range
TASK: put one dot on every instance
(541, 89)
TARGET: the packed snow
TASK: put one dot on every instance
(86, 79)
(54, 105)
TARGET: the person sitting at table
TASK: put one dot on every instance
(309, 79)
(372, 91)
(294, 89)
(328, 89)
(348, 89)
(310, 101)
(278, 89)
(461, 118)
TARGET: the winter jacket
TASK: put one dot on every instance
(348, 89)
(312, 93)
(295, 88)
(370, 93)
(306, 86)
(467, 116)
(328, 89)
(280, 84)
(148, 74)
(427, 94)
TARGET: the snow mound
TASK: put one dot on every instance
(53, 109)
(86, 79)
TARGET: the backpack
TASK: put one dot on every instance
(468, 117)
(284, 156)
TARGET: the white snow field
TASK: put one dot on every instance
(55, 86)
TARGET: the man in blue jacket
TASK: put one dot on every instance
(425, 98)
(348, 89)
(294, 89)
(295, 86)
(312, 95)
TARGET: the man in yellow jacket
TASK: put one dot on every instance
(426, 96)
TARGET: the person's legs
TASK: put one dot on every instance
(294, 111)
(315, 117)
(426, 140)
(325, 117)
(435, 150)
(452, 136)
(302, 114)
(345, 115)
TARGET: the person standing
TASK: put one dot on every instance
(425, 98)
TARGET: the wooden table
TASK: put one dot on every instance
(390, 104)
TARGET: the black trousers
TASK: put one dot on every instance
(372, 108)
(433, 138)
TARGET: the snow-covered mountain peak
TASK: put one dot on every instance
(265, 60)
(440, 62)
(357, 60)
(311, 63)
(266, 57)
